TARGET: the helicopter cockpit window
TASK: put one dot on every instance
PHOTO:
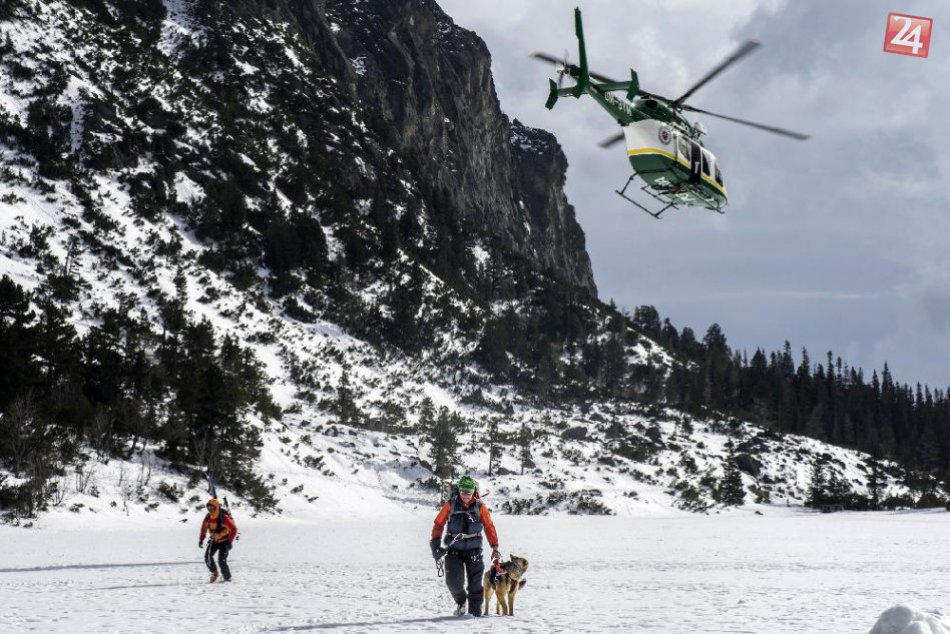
(705, 164)
(719, 176)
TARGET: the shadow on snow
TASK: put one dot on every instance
(330, 626)
(96, 566)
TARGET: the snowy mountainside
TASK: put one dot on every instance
(174, 161)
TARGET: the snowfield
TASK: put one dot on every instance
(369, 570)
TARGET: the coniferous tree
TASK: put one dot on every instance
(494, 445)
(56, 347)
(716, 362)
(406, 329)
(426, 413)
(646, 320)
(838, 489)
(346, 409)
(614, 356)
(818, 491)
(524, 447)
(21, 371)
(730, 490)
(876, 482)
(442, 436)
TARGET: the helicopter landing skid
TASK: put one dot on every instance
(668, 204)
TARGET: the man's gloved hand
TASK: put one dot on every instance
(437, 551)
(201, 543)
(495, 555)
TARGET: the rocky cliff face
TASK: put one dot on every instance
(428, 83)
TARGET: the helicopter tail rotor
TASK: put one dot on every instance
(552, 95)
(562, 65)
(563, 68)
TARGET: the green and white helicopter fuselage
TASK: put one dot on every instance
(665, 152)
(674, 164)
(664, 149)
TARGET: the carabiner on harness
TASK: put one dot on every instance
(461, 536)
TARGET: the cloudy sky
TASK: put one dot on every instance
(839, 243)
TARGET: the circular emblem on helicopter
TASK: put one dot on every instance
(665, 134)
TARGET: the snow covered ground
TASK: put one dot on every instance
(784, 571)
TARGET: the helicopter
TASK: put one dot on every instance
(664, 149)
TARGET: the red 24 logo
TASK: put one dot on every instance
(907, 35)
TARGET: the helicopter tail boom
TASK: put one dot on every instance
(583, 74)
(555, 93)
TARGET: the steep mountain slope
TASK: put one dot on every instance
(300, 244)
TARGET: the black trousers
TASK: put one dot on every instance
(459, 567)
(222, 548)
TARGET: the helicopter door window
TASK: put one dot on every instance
(706, 164)
(695, 158)
(719, 176)
(683, 148)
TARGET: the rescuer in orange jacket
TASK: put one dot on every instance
(464, 517)
(221, 530)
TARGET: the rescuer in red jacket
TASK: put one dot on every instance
(464, 517)
(221, 530)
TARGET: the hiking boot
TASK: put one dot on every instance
(227, 578)
(459, 610)
(214, 577)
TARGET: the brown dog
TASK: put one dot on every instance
(505, 585)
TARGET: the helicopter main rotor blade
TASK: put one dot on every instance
(747, 47)
(761, 126)
(572, 69)
(611, 140)
(545, 57)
